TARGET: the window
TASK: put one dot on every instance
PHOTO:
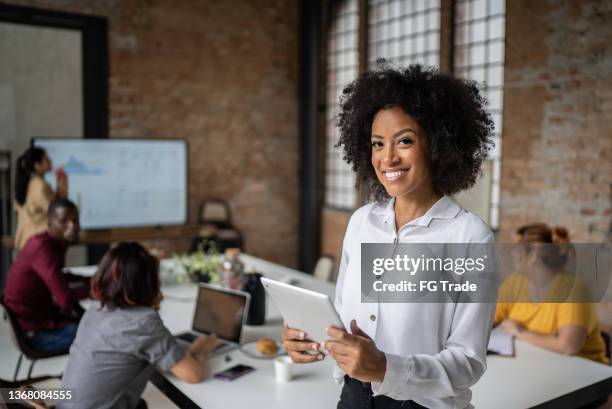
(342, 68)
(404, 31)
(479, 55)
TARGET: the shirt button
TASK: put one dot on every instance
(372, 317)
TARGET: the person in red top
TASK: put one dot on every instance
(42, 297)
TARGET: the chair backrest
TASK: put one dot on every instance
(19, 337)
(606, 338)
(216, 212)
(324, 268)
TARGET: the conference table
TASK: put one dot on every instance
(533, 378)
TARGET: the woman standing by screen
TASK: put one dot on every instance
(414, 137)
(33, 195)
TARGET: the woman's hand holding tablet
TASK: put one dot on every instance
(299, 349)
(303, 334)
(356, 354)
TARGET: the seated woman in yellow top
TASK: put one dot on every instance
(33, 195)
(564, 327)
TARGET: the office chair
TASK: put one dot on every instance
(19, 339)
(43, 382)
(606, 338)
(215, 212)
(216, 218)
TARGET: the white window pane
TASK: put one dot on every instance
(495, 151)
(462, 11)
(420, 43)
(434, 20)
(407, 45)
(404, 25)
(380, 32)
(478, 31)
(434, 41)
(477, 74)
(383, 52)
(384, 11)
(395, 28)
(353, 23)
(495, 76)
(432, 60)
(420, 23)
(479, 9)
(477, 55)
(420, 5)
(495, 102)
(497, 6)
(373, 13)
(497, 120)
(496, 52)
(395, 8)
(371, 33)
(496, 27)
(395, 49)
(413, 25)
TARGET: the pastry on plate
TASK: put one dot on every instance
(267, 346)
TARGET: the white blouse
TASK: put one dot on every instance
(434, 352)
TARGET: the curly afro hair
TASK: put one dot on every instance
(450, 110)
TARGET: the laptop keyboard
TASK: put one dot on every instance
(187, 336)
(190, 337)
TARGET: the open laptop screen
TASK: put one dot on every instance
(220, 311)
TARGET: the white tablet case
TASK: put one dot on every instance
(306, 310)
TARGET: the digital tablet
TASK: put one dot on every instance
(305, 310)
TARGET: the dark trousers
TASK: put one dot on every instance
(358, 395)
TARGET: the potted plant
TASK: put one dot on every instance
(202, 266)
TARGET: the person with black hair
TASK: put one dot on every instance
(43, 298)
(33, 195)
(414, 137)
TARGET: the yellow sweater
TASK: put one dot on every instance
(546, 318)
(32, 216)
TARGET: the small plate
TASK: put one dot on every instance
(250, 349)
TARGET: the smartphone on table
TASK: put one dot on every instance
(234, 372)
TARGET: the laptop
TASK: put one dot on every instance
(218, 311)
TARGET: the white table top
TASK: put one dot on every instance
(533, 377)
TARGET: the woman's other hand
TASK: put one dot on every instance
(511, 327)
(356, 354)
(204, 344)
(62, 182)
(296, 345)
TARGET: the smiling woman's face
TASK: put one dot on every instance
(399, 153)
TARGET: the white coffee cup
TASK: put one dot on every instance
(283, 367)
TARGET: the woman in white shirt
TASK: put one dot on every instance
(414, 137)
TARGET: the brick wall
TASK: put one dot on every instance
(557, 131)
(223, 75)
